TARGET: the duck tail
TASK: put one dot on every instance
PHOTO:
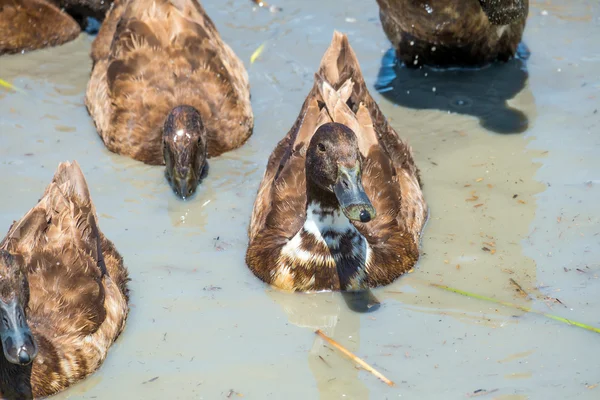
(68, 203)
(70, 179)
(340, 65)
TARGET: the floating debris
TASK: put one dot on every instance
(10, 86)
(265, 5)
(354, 358)
(518, 307)
(150, 380)
(257, 53)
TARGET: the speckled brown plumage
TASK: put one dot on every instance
(27, 25)
(447, 33)
(389, 175)
(153, 55)
(77, 284)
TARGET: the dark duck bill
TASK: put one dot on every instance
(184, 150)
(17, 340)
(351, 195)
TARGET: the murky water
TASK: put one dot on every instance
(521, 206)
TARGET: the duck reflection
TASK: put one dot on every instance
(336, 376)
(482, 93)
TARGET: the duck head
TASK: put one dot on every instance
(334, 165)
(17, 340)
(184, 149)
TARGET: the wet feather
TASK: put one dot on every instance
(282, 251)
(153, 55)
(77, 284)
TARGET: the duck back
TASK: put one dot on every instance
(153, 55)
(77, 284)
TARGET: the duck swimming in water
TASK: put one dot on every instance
(453, 33)
(165, 89)
(340, 206)
(63, 292)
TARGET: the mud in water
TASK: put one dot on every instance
(521, 206)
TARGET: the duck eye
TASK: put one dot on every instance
(321, 147)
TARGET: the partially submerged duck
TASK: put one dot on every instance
(63, 292)
(453, 33)
(340, 205)
(165, 89)
(27, 25)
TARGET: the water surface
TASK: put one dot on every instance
(521, 206)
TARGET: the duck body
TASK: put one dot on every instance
(356, 227)
(453, 33)
(27, 25)
(76, 290)
(151, 56)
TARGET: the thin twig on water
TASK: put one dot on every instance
(354, 358)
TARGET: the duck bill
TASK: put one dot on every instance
(183, 180)
(17, 340)
(351, 195)
(184, 184)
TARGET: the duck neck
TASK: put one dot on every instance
(15, 380)
(322, 199)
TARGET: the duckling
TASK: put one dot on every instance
(453, 33)
(340, 206)
(27, 25)
(63, 292)
(165, 89)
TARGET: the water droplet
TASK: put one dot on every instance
(408, 92)
(433, 89)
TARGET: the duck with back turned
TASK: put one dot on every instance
(453, 33)
(165, 89)
(63, 292)
(27, 25)
(340, 205)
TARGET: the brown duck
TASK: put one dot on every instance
(27, 25)
(453, 33)
(165, 89)
(63, 293)
(340, 206)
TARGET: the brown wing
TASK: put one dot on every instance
(164, 54)
(59, 240)
(33, 24)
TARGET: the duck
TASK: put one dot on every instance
(453, 33)
(165, 89)
(63, 292)
(340, 206)
(27, 25)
